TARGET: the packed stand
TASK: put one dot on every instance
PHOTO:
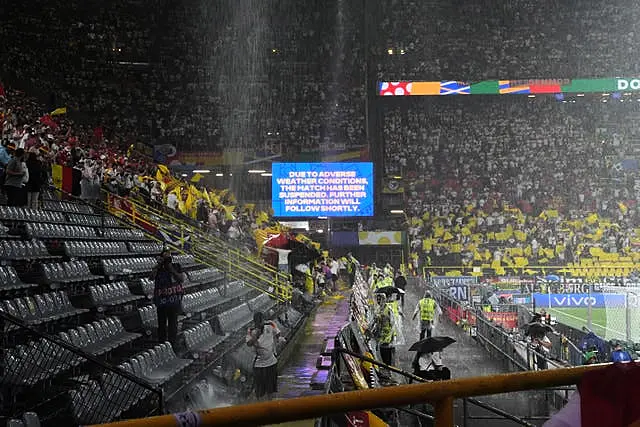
(517, 182)
(53, 140)
(511, 40)
(203, 76)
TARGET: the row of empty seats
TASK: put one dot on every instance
(93, 220)
(97, 402)
(123, 234)
(68, 272)
(41, 308)
(201, 300)
(202, 339)
(124, 266)
(146, 247)
(185, 260)
(205, 275)
(94, 249)
(111, 294)
(12, 213)
(262, 302)
(69, 207)
(19, 250)
(36, 361)
(59, 231)
(9, 280)
(99, 337)
(235, 319)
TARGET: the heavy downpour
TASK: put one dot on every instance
(319, 213)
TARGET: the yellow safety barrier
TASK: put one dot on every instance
(206, 249)
(440, 394)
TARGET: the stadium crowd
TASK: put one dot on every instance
(517, 182)
(474, 40)
(137, 68)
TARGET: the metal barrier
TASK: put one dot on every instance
(85, 389)
(440, 394)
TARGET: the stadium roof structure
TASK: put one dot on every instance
(510, 87)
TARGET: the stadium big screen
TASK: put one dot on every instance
(322, 189)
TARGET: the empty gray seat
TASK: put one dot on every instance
(202, 339)
(9, 280)
(262, 302)
(235, 319)
(145, 247)
(234, 289)
(31, 419)
(159, 364)
(200, 301)
(111, 294)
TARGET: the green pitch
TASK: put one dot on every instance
(609, 323)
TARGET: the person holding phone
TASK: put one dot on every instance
(264, 337)
(167, 296)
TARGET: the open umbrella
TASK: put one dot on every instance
(432, 344)
(537, 329)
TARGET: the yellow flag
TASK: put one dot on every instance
(262, 218)
(56, 176)
(205, 196)
(591, 219)
(623, 208)
(163, 169)
(196, 178)
(228, 212)
(58, 111)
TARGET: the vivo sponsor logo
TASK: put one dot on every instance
(625, 84)
(573, 301)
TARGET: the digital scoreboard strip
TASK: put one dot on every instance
(509, 87)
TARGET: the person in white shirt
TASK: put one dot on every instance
(264, 337)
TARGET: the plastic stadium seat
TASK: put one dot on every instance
(123, 234)
(98, 337)
(15, 423)
(36, 361)
(147, 286)
(201, 338)
(111, 294)
(234, 289)
(41, 308)
(262, 303)
(94, 249)
(9, 280)
(153, 248)
(184, 260)
(126, 266)
(148, 317)
(235, 319)
(90, 404)
(206, 275)
(159, 364)
(201, 301)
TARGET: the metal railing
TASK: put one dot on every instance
(81, 388)
(440, 394)
(205, 247)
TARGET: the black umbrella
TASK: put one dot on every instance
(388, 290)
(432, 344)
(537, 329)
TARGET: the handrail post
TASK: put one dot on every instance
(444, 412)
(465, 412)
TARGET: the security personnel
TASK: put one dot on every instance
(387, 337)
(427, 308)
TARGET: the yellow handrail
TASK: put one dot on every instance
(440, 394)
(207, 237)
(279, 289)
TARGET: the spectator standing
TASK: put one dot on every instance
(263, 337)
(14, 175)
(36, 178)
(167, 297)
(427, 307)
(400, 282)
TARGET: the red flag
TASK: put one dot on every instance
(48, 121)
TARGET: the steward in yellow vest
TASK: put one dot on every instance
(427, 308)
